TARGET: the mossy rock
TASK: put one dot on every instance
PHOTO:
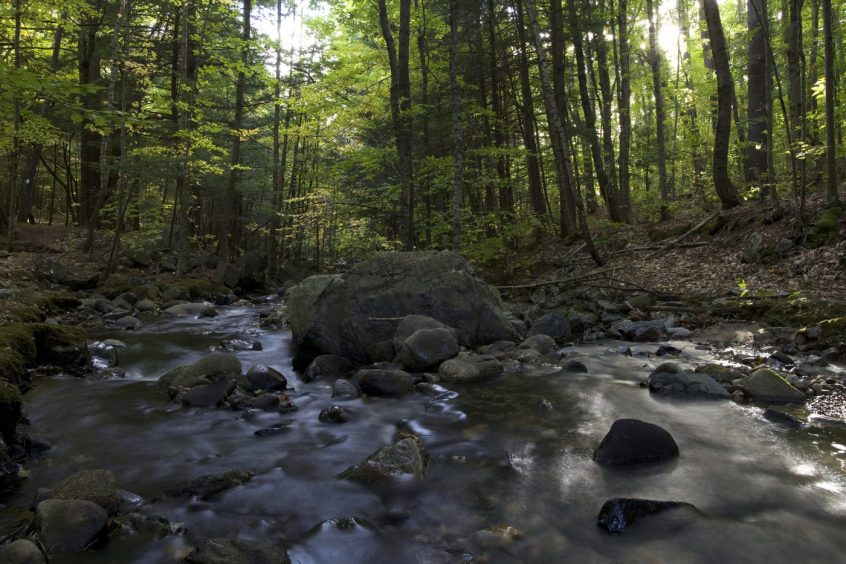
(18, 337)
(11, 403)
(61, 344)
(12, 366)
(825, 229)
(197, 288)
(830, 332)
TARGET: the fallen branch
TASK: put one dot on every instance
(675, 242)
(659, 247)
(553, 282)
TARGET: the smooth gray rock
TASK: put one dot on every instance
(22, 551)
(384, 382)
(97, 486)
(263, 378)
(766, 385)
(631, 441)
(427, 348)
(216, 367)
(343, 389)
(70, 525)
(199, 309)
(553, 324)
(544, 344)
(407, 458)
(686, 385)
(327, 365)
(469, 369)
(345, 314)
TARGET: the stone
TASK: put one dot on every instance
(264, 402)
(22, 551)
(263, 378)
(208, 395)
(427, 348)
(327, 365)
(383, 351)
(334, 414)
(642, 331)
(721, 373)
(406, 458)
(206, 487)
(575, 366)
(145, 305)
(229, 551)
(553, 324)
(70, 525)
(216, 367)
(11, 410)
(384, 382)
(544, 344)
(97, 486)
(679, 332)
(765, 385)
(128, 322)
(199, 309)
(498, 536)
(343, 389)
(631, 441)
(410, 324)
(469, 369)
(618, 514)
(74, 276)
(347, 313)
(686, 385)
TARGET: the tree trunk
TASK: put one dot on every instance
(89, 138)
(624, 110)
(722, 182)
(605, 108)
(401, 113)
(830, 158)
(796, 91)
(758, 111)
(660, 142)
(16, 143)
(458, 137)
(506, 199)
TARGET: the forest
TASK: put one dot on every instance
(316, 133)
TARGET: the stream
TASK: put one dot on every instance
(499, 455)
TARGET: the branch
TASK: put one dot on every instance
(553, 282)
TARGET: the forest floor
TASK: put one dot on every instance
(684, 256)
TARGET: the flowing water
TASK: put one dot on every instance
(516, 451)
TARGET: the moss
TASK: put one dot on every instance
(12, 366)
(53, 340)
(18, 337)
(197, 288)
(10, 410)
(826, 228)
(833, 331)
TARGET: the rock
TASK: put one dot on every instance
(240, 345)
(216, 367)
(686, 385)
(631, 441)
(174, 293)
(410, 324)
(427, 348)
(22, 551)
(384, 382)
(145, 305)
(345, 314)
(128, 322)
(263, 378)
(199, 309)
(264, 402)
(226, 551)
(667, 350)
(784, 418)
(721, 373)
(752, 250)
(70, 525)
(334, 414)
(97, 486)
(470, 368)
(207, 395)
(74, 276)
(407, 458)
(575, 366)
(343, 389)
(679, 332)
(765, 385)
(544, 344)
(618, 514)
(498, 536)
(226, 274)
(825, 229)
(552, 324)
(62, 345)
(330, 365)
(642, 331)
(206, 487)
(383, 351)
(498, 348)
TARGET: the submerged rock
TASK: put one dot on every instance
(229, 551)
(766, 385)
(70, 525)
(205, 487)
(97, 486)
(632, 441)
(334, 414)
(406, 458)
(618, 514)
(346, 314)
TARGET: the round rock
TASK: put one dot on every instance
(632, 441)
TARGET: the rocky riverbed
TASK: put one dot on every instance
(192, 438)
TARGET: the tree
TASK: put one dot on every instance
(830, 154)
(759, 116)
(658, 95)
(725, 88)
(458, 139)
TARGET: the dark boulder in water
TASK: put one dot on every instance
(618, 514)
(631, 441)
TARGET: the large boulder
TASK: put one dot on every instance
(631, 441)
(73, 276)
(70, 525)
(346, 314)
(403, 459)
(767, 386)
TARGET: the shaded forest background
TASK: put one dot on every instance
(312, 133)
